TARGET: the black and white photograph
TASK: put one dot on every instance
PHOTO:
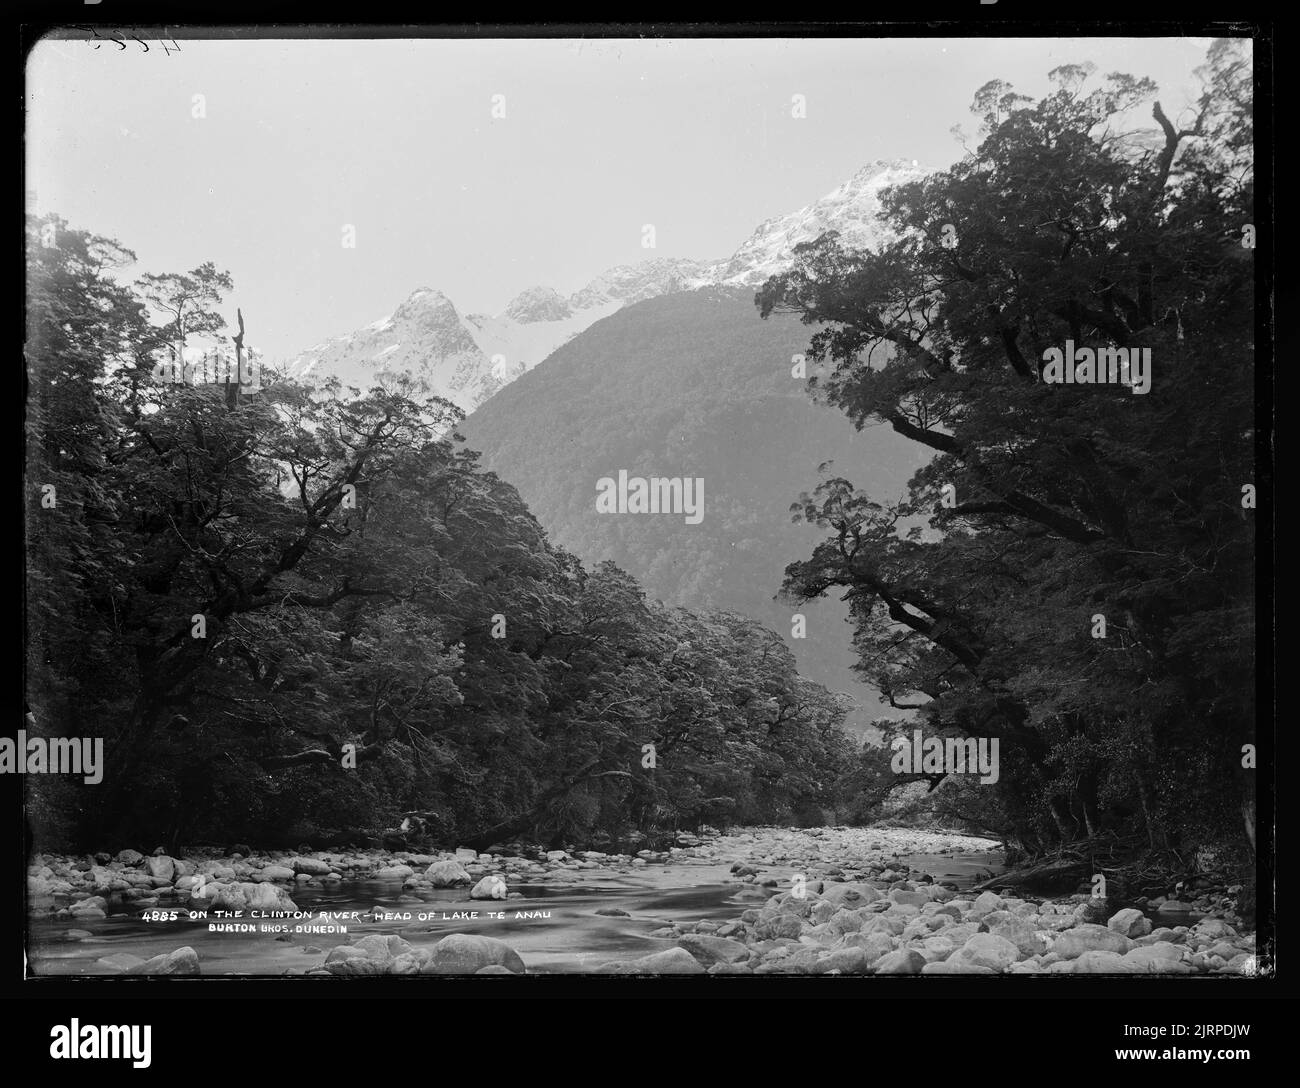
(644, 504)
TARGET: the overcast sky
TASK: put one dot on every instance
(397, 139)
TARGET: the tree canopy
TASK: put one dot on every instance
(1072, 571)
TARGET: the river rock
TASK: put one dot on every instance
(129, 857)
(1072, 943)
(408, 963)
(1171, 906)
(987, 950)
(950, 967)
(905, 961)
(383, 947)
(310, 866)
(1022, 934)
(710, 950)
(183, 961)
(1102, 963)
(1161, 958)
(671, 961)
(347, 960)
(874, 945)
(1213, 928)
(937, 948)
(784, 925)
(1130, 922)
(275, 872)
(986, 903)
(884, 923)
(465, 953)
(446, 874)
(844, 961)
(851, 895)
(246, 895)
(909, 898)
(490, 887)
(161, 867)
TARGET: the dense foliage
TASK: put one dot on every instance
(692, 384)
(1046, 506)
(303, 612)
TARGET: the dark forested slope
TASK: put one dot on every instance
(692, 384)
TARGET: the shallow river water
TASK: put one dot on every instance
(568, 937)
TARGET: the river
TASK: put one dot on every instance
(569, 936)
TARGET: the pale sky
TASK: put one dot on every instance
(396, 138)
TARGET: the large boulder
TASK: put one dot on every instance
(986, 903)
(938, 948)
(350, 960)
(310, 866)
(276, 872)
(1022, 934)
(490, 887)
(909, 898)
(447, 874)
(377, 954)
(987, 950)
(1212, 928)
(465, 953)
(129, 857)
(672, 961)
(1130, 922)
(1103, 963)
(161, 867)
(905, 961)
(843, 961)
(1161, 958)
(183, 961)
(873, 945)
(1073, 943)
(710, 950)
(242, 896)
(783, 925)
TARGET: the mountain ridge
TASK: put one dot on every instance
(468, 358)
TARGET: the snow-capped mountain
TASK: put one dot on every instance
(852, 209)
(467, 358)
(424, 336)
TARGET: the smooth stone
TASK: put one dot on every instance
(710, 950)
(905, 961)
(1130, 922)
(672, 961)
(465, 953)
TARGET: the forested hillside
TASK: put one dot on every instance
(692, 384)
(296, 615)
